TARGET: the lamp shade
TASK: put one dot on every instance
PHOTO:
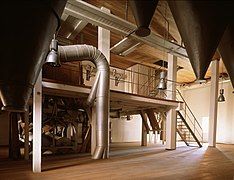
(52, 58)
(143, 12)
(221, 97)
(162, 83)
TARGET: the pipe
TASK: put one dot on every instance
(100, 90)
(143, 12)
(27, 30)
(201, 25)
(226, 50)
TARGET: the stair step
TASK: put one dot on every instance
(184, 130)
(179, 127)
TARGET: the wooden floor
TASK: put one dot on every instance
(130, 161)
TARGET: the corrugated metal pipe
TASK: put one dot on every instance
(100, 90)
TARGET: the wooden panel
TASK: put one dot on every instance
(67, 73)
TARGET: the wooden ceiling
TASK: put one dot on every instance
(144, 54)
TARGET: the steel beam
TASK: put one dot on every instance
(95, 16)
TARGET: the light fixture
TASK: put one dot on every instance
(162, 83)
(52, 58)
(88, 72)
(221, 97)
(128, 117)
(125, 46)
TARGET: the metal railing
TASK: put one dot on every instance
(143, 83)
(131, 81)
(190, 117)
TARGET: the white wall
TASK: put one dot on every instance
(199, 101)
(126, 131)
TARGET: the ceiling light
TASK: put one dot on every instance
(52, 58)
(125, 46)
(221, 97)
(162, 83)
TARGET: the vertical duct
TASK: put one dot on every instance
(27, 28)
(100, 90)
(143, 11)
(201, 25)
(226, 50)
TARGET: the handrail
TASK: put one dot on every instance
(193, 116)
(188, 108)
(195, 127)
(151, 77)
(190, 130)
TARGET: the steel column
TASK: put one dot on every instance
(213, 102)
(171, 94)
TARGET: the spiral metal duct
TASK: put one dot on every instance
(201, 25)
(143, 12)
(226, 50)
(27, 28)
(100, 90)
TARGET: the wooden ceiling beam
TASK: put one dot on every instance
(94, 15)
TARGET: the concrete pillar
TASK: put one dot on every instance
(104, 47)
(144, 131)
(213, 103)
(37, 121)
(171, 94)
(143, 135)
(104, 39)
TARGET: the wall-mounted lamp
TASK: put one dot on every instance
(117, 79)
(88, 72)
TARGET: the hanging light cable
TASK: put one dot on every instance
(52, 57)
(221, 97)
(163, 83)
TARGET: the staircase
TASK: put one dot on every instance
(188, 128)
